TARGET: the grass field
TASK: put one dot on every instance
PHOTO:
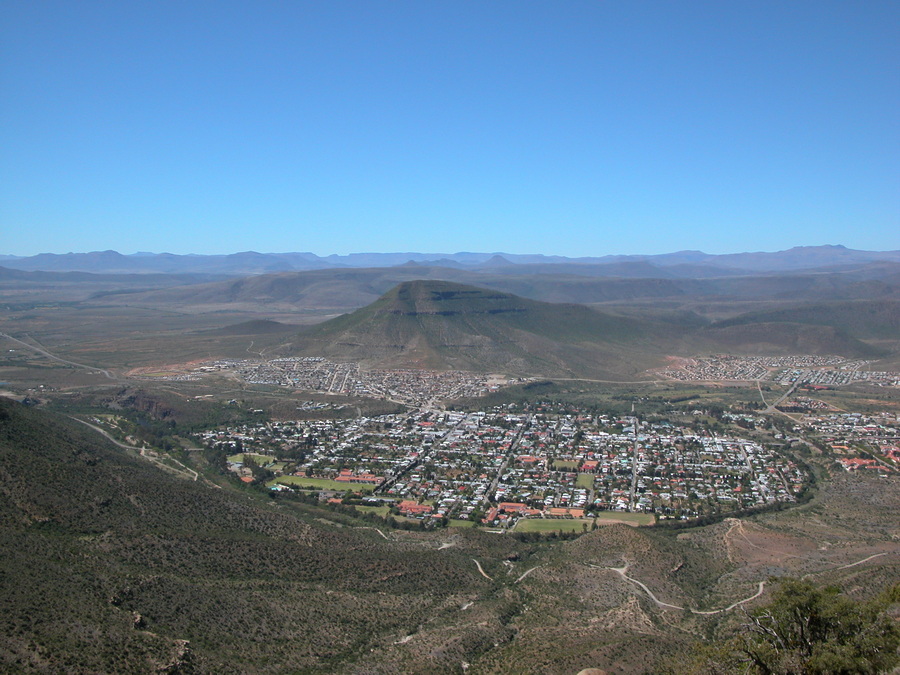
(455, 522)
(565, 464)
(576, 525)
(377, 510)
(585, 480)
(321, 484)
(553, 525)
(262, 460)
(629, 518)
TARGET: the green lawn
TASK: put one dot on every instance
(378, 510)
(575, 525)
(585, 480)
(553, 525)
(630, 518)
(455, 522)
(321, 484)
(559, 464)
(262, 460)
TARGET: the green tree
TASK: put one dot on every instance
(807, 630)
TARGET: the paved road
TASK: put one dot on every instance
(634, 462)
(512, 450)
(386, 485)
(772, 408)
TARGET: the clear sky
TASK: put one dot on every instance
(570, 128)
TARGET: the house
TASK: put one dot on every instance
(412, 509)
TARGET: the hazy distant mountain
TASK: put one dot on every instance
(346, 289)
(111, 262)
(147, 280)
(689, 263)
(803, 257)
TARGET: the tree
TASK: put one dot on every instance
(807, 630)
(818, 630)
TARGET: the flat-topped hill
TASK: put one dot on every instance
(440, 324)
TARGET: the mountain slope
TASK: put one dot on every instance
(110, 565)
(437, 324)
(863, 319)
(784, 338)
(443, 325)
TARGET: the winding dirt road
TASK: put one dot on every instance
(187, 471)
(622, 572)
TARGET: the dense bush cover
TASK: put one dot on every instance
(808, 630)
(109, 565)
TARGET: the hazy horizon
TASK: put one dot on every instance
(443, 253)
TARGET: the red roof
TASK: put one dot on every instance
(512, 506)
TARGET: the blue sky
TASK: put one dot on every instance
(570, 128)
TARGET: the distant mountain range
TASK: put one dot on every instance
(682, 264)
(606, 318)
(342, 290)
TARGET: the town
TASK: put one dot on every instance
(785, 370)
(500, 467)
(418, 387)
(860, 441)
(317, 374)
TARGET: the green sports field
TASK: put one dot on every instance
(576, 524)
(585, 480)
(321, 484)
(262, 460)
(553, 525)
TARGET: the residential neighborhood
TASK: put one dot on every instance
(317, 374)
(860, 441)
(497, 467)
(785, 370)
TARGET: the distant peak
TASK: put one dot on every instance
(831, 247)
(497, 260)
